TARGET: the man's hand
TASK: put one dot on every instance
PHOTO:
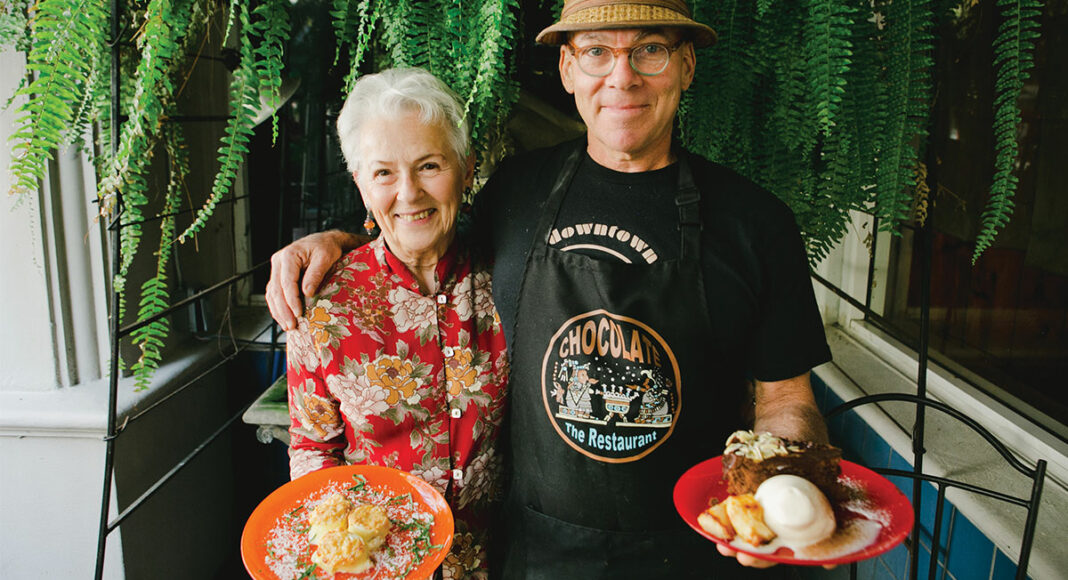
(743, 558)
(314, 255)
(752, 561)
(786, 409)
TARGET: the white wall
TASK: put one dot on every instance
(26, 345)
(53, 403)
(48, 489)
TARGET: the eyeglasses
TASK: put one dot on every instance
(648, 59)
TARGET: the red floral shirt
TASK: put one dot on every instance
(381, 374)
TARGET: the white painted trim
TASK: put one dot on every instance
(859, 370)
(82, 411)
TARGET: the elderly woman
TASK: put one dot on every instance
(400, 359)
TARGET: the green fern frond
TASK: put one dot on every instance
(15, 25)
(137, 137)
(345, 20)
(468, 44)
(489, 91)
(762, 7)
(244, 100)
(365, 28)
(274, 30)
(828, 52)
(1013, 58)
(63, 32)
(155, 292)
(717, 121)
(908, 76)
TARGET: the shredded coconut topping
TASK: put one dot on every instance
(758, 446)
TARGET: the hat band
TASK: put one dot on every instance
(621, 14)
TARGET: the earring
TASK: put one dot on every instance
(369, 226)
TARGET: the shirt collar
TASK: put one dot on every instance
(443, 270)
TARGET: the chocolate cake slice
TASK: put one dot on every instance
(750, 458)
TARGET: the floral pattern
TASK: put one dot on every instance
(382, 374)
(467, 557)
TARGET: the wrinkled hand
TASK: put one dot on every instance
(314, 255)
(752, 561)
(743, 558)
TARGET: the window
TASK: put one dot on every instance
(1005, 318)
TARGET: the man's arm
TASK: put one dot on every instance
(786, 409)
(314, 255)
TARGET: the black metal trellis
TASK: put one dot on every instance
(1037, 475)
(922, 402)
(118, 332)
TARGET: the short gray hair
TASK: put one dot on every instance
(395, 92)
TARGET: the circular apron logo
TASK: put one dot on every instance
(611, 386)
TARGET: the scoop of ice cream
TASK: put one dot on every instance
(795, 509)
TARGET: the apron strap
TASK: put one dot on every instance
(688, 200)
(555, 200)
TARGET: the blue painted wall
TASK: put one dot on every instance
(967, 554)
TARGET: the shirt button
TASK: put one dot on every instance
(455, 413)
(442, 299)
(458, 474)
(447, 351)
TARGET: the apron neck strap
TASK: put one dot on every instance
(687, 198)
(556, 195)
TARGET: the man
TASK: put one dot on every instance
(671, 282)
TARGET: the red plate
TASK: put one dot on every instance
(703, 482)
(290, 496)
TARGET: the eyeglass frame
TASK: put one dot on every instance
(575, 50)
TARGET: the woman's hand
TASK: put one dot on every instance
(314, 255)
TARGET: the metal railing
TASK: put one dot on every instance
(118, 333)
(922, 402)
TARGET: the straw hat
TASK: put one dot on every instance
(606, 14)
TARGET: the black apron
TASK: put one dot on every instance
(607, 409)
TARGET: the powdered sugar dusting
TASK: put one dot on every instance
(860, 504)
(860, 522)
(854, 534)
(406, 545)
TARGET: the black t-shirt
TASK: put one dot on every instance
(756, 276)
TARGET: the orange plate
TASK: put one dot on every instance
(293, 494)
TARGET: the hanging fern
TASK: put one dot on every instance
(15, 25)
(492, 86)
(244, 101)
(155, 292)
(717, 122)
(63, 32)
(359, 26)
(823, 102)
(1013, 57)
(828, 52)
(268, 65)
(162, 53)
(364, 39)
(465, 43)
(909, 44)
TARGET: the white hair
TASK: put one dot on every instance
(395, 92)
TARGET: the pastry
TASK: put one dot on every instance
(330, 515)
(750, 458)
(338, 551)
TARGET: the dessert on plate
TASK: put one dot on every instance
(749, 458)
(345, 533)
(778, 492)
